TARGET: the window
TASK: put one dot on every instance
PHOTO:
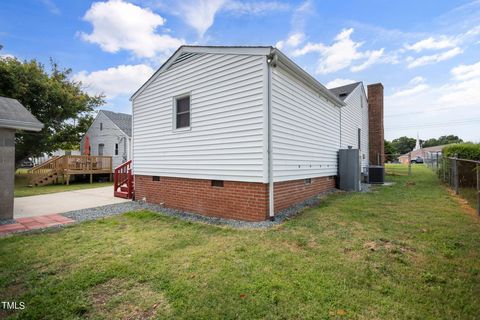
(155, 178)
(101, 126)
(308, 181)
(359, 138)
(182, 112)
(217, 183)
(116, 149)
(100, 149)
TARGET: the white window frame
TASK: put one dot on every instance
(174, 114)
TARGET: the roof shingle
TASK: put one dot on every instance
(121, 120)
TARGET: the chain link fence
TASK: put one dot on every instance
(394, 167)
(462, 175)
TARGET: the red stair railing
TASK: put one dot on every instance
(123, 181)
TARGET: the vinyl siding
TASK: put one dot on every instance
(305, 130)
(225, 139)
(109, 136)
(353, 118)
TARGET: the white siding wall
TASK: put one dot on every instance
(354, 116)
(225, 140)
(305, 130)
(109, 136)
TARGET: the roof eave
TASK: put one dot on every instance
(308, 78)
(21, 125)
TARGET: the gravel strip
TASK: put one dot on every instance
(7, 221)
(115, 209)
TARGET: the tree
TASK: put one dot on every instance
(443, 140)
(54, 99)
(391, 153)
(404, 144)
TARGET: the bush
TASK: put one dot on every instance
(470, 151)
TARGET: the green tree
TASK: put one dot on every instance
(404, 144)
(443, 140)
(391, 153)
(54, 99)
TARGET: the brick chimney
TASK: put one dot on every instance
(375, 124)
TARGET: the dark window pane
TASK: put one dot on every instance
(183, 120)
(183, 104)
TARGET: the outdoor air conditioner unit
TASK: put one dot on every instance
(376, 174)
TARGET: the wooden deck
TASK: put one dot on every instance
(66, 166)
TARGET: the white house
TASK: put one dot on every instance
(240, 132)
(109, 135)
(354, 120)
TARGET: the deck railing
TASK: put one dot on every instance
(123, 185)
(71, 165)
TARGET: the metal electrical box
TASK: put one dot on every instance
(349, 169)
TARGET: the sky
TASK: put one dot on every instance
(425, 53)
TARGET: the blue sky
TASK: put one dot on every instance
(426, 53)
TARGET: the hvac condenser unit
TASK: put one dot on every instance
(376, 174)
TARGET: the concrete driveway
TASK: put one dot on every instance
(61, 202)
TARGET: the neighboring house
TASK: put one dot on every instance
(241, 132)
(13, 116)
(109, 135)
(422, 153)
(354, 120)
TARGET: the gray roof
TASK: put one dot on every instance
(121, 120)
(13, 115)
(344, 91)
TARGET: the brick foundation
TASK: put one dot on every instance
(289, 193)
(235, 200)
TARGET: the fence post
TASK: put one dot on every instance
(436, 162)
(478, 188)
(455, 177)
(409, 164)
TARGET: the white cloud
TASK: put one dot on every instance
(465, 72)
(433, 44)
(7, 55)
(342, 54)
(338, 83)
(411, 91)
(120, 25)
(434, 58)
(292, 41)
(373, 57)
(51, 6)
(417, 80)
(200, 14)
(123, 80)
(254, 7)
(453, 105)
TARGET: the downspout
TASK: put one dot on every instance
(271, 62)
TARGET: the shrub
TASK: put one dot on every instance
(470, 151)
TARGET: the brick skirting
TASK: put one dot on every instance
(235, 200)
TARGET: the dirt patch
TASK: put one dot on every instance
(387, 245)
(13, 292)
(463, 204)
(120, 299)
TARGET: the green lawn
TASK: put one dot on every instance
(406, 251)
(23, 190)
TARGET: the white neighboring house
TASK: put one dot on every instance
(110, 135)
(354, 117)
(239, 132)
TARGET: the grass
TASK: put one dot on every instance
(23, 190)
(402, 251)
